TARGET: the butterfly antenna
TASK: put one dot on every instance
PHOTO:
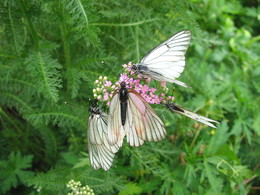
(110, 69)
(73, 105)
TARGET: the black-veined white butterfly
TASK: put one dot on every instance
(166, 61)
(101, 153)
(130, 115)
(178, 109)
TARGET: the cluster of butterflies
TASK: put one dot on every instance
(129, 113)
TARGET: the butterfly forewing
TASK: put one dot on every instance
(115, 128)
(167, 61)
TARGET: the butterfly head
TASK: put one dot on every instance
(94, 109)
(123, 84)
(139, 68)
(134, 67)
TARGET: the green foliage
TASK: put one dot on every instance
(52, 52)
(13, 170)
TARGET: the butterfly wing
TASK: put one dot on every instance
(143, 122)
(100, 152)
(178, 109)
(116, 132)
(167, 61)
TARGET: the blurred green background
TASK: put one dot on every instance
(51, 52)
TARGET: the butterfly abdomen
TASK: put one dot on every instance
(123, 97)
(173, 108)
(123, 106)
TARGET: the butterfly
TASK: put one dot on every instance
(178, 109)
(131, 116)
(166, 61)
(101, 153)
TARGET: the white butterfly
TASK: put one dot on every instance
(130, 115)
(101, 153)
(178, 109)
(166, 61)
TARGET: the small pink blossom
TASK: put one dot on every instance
(106, 97)
(163, 84)
(108, 84)
(153, 90)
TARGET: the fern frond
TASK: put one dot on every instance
(57, 118)
(82, 14)
(11, 18)
(11, 100)
(46, 74)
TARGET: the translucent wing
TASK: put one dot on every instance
(100, 152)
(178, 109)
(115, 129)
(143, 122)
(167, 61)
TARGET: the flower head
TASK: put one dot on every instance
(77, 188)
(105, 89)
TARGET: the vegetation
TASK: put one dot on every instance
(52, 52)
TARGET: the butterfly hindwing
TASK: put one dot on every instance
(101, 153)
(148, 125)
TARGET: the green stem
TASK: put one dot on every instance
(125, 24)
(64, 34)
(137, 43)
(195, 138)
(30, 25)
(12, 27)
(66, 45)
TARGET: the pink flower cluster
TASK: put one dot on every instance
(149, 94)
(105, 89)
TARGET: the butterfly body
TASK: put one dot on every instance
(171, 106)
(144, 71)
(123, 97)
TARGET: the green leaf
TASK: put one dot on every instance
(215, 181)
(130, 189)
(14, 171)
